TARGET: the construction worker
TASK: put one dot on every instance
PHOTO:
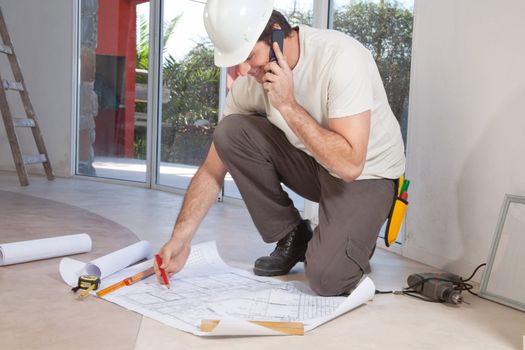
(317, 120)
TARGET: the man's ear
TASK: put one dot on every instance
(276, 26)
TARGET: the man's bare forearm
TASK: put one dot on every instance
(328, 147)
(201, 195)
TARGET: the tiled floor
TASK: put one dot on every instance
(389, 322)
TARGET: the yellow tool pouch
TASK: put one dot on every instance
(397, 213)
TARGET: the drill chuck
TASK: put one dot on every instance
(450, 295)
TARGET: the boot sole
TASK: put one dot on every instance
(268, 273)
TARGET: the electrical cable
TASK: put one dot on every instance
(469, 286)
(475, 271)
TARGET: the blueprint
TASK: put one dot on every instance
(208, 289)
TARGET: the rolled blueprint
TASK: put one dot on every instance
(116, 261)
(106, 265)
(37, 249)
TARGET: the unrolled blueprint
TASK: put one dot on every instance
(207, 288)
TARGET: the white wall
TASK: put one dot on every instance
(42, 34)
(466, 145)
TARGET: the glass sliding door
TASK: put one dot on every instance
(116, 98)
(113, 91)
(190, 93)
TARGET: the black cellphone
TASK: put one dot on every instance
(278, 37)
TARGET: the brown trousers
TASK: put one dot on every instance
(260, 158)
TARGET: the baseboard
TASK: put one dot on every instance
(396, 248)
(459, 267)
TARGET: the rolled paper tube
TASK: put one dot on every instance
(45, 248)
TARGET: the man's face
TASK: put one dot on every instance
(254, 64)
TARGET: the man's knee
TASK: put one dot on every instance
(327, 281)
(228, 128)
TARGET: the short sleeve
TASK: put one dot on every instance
(244, 97)
(350, 89)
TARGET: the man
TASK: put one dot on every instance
(317, 120)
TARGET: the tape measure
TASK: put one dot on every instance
(87, 282)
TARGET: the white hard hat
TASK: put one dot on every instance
(234, 27)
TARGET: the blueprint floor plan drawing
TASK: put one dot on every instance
(208, 289)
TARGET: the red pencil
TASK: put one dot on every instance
(162, 271)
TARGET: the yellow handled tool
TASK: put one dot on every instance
(398, 211)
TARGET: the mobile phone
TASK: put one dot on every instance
(278, 37)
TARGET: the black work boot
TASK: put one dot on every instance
(289, 251)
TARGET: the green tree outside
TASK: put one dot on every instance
(190, 116)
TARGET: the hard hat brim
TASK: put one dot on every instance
(233, 58)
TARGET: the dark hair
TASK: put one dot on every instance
(275, 18)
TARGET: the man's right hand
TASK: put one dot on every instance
(174, 255)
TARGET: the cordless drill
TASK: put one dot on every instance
(436, 286)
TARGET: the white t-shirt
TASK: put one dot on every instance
(335, 77)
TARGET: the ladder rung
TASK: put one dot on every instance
(13, 85)
(39, 158)
(24, 122)
(6, 49)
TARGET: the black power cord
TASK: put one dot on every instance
(459, 285)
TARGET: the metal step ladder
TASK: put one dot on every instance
(27, 121)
